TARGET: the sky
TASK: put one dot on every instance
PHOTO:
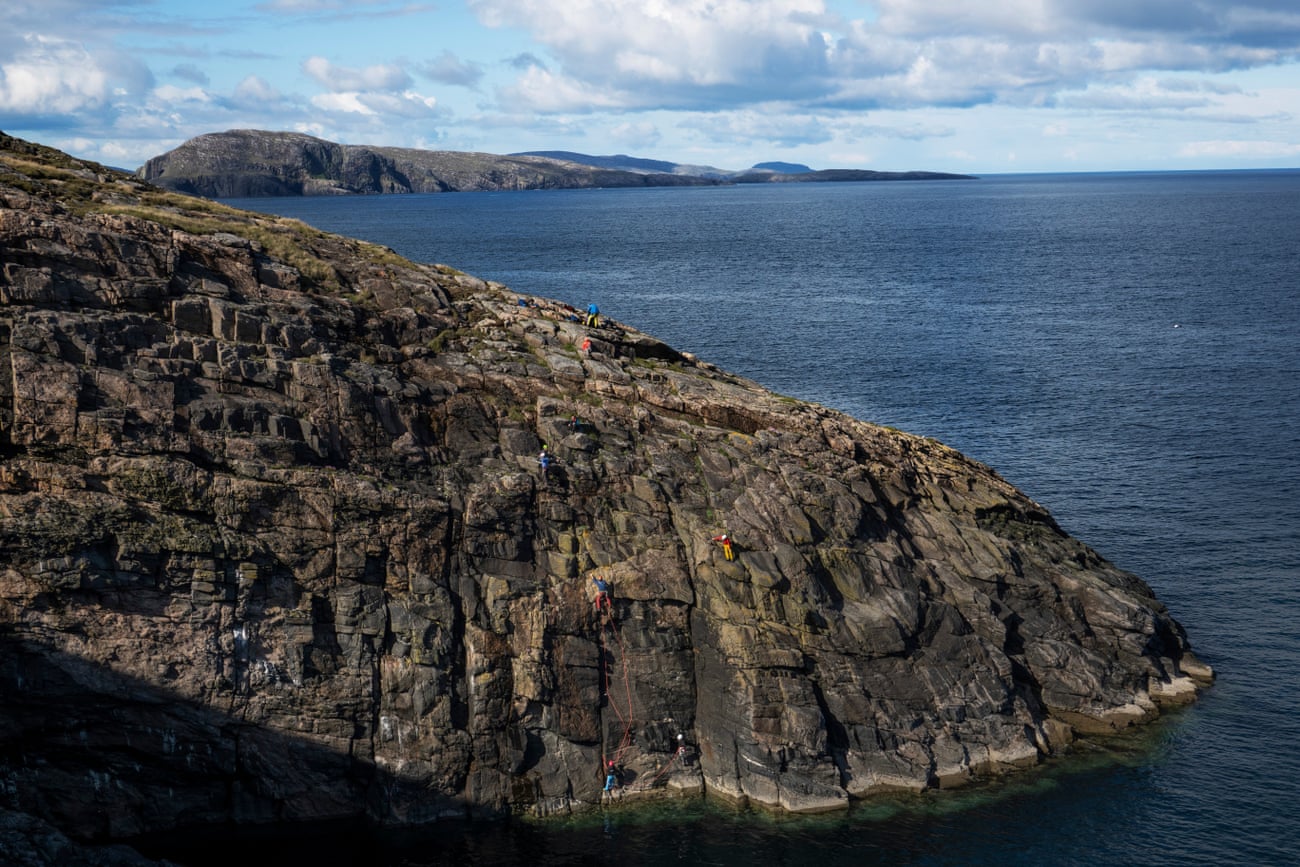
(891, 85)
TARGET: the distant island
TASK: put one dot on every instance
(252, 163)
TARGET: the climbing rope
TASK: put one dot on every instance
(627, 720)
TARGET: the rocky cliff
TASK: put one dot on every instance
(242, 163)
(275, 545)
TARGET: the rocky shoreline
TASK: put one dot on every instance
(275, 546)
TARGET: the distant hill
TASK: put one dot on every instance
(760, 173)
(244, 163)
(621, 162)
(247, 163)
(783, 168)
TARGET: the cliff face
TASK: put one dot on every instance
(275, 545)
(245, 163)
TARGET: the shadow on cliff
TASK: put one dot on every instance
(105, 757)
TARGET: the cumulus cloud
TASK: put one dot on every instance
(171, 94)
(403, 105)
(50, 76)
(46, 75)
(256, 89)
(340, 79)
(379, 91)
(668, 53)
(539, 90)
(715, 54)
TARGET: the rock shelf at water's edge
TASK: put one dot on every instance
(275, 546)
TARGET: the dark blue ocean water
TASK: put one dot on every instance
(1124, 348)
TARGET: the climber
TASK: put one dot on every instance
(611, 776)
(575, 423)
(725, 541)
(545, 460)
(586, 345)
(602, 594)
(593, 315)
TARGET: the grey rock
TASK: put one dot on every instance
(276, 547)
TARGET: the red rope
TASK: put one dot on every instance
(628, 721)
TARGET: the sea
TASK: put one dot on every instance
(1123, 347)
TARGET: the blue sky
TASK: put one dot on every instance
(945, 85)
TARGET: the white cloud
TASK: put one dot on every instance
(404, 105)
(669, 48)
(408, 104)
(117, 153)
(713, 54)
(52, 76)
(540, 90)
(347, 103)
(340, 79)
(256, 89)
(171, 94)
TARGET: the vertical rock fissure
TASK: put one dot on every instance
(837, 737)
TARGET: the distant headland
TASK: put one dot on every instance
(250, 163)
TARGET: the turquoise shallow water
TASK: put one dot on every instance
(1124, 348)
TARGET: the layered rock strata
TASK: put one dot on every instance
(275, 545)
